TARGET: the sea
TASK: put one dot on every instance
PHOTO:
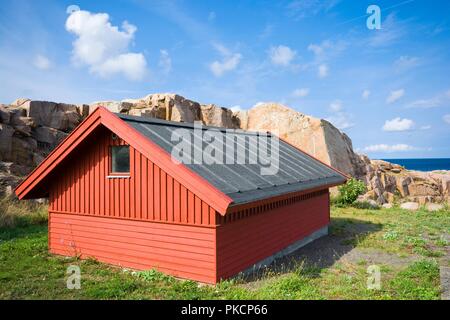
(423, 164)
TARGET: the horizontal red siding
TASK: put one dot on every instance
(180, 250)
(82, 187)
(244, 242)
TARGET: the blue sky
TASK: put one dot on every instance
(388, 89)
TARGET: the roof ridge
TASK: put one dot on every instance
(189, 125)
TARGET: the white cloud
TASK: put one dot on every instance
(323, 53)
(398, 124)
(41, 62)
(336, 106)
(341, 120)
(446, 118)
(401, 147)
(391, 31)
(322, 71)
(131, 65)
(395, 95)
(229, 61)
(299, 9)
(406, 62)
(227, 64)
(365, 94)
(104, 47)
(426, 103)
(317, 49)
(326, 49)
(281, 55)
(165, 62)
(427, 127)
(437, 101)
(301, 92)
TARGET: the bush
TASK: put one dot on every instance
(349, 192)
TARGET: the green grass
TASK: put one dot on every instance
(416, 239)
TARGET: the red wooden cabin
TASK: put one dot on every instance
(116, 195)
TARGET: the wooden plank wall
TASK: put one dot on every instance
(180, 250)
(244, 242)
(149, 194)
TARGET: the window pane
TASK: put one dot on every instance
(120, 159)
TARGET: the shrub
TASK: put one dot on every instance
(349, 192)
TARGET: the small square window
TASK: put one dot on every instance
(120, 156)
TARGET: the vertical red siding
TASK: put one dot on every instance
(246, 241)
(83, 187)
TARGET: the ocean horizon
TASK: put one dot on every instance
(422, 164)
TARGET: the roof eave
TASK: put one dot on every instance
(251, 204)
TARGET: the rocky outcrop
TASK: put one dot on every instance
(168, 106)
(60, 116)
(30, 129)
(316, 136)
(113, 106)
(387, 182)
(213, 115)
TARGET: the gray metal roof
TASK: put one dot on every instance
(243, 183)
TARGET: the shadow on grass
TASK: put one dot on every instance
(344, 233)
(23, 231)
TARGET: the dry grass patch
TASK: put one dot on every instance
(15, 213)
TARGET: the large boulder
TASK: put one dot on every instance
(315, 136)
(442, 177)
(6, 134)
(181, 109)
(149, 106)
(412, 206)
(168, 106)
(48, 137)
(23, 151)
(16, 115)
(5, 114)
(403, 183)
(60, 116)
(8, 182)
(113, 106)
(20, 101)
(17, 120)
(14, 169)
(434, 206)
(83, 110)
(213, 115)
